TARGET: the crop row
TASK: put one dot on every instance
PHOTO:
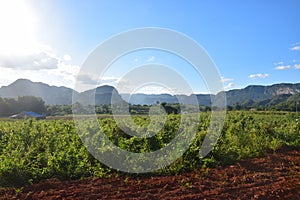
(31, 150)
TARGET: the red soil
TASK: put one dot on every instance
(276, 176)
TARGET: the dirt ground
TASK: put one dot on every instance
(276, 176)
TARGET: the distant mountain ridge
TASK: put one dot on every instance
(252, 92)
(103, 95)
(259, 92)
(150, 99)
(54, 95)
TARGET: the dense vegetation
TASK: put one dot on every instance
(10, 106)
(284, 102)
(34, 150)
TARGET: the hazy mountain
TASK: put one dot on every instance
(104, 95)
(250, 93)
(53, 95)
(149, 99)
(260, 93)
(50, 94)
(61, 95)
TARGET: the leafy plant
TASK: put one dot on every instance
(32, 150)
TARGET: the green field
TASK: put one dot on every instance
(31, 150)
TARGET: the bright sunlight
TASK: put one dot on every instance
(18, 25)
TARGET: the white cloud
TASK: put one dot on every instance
(224, 80)
(67, 57)
(92, 80)
(87, 79)
(40, 64)
(151, 59)
(228, 86)
(108, 80)
(51, 77)
(41, 58)
(295, 48)
(29, 61)
(278, 63)
(252, 76)
(297, 66)
(283, 67)
(65, 71)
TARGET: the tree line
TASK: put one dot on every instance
(10, 106)
(284, 102)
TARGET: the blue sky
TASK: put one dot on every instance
(251, 42)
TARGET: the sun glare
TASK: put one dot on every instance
(17, 27)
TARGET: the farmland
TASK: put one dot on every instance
(33, 151)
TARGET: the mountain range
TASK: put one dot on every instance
(53, 95)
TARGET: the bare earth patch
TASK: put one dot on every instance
(276, 176)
